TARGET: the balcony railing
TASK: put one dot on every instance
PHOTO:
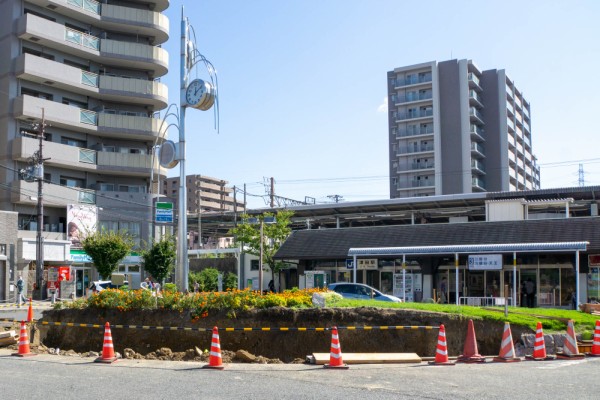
(82, 39)
(87, 196)
(474, 95)
(86, 5)
(88, 117)
(476, 164)
(415, 131)
(477, 147)
(415, 149)
(412, 80)
(415, 96)
(87, 156)
(478, 182)
(414, 114)
(476, 130)
(473, 111)
(89, 78)
(473, 78)
(422, 165)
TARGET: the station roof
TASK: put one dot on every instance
(322, 244)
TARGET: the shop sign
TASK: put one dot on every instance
(483, 262)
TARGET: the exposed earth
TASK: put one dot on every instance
(264, 346)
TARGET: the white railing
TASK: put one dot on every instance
(82, 39)
(87, 5)
(485, 301)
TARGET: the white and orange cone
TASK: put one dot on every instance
(596, 342)
(215, 360)
(470, 353)
(108, 350)
(335, 352)
(24, 350)
(441, 350)
(570, 349)
(30, 311)
(507, 347)
(539, 347)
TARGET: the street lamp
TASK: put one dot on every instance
(264, 220)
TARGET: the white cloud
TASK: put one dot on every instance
(384, 106)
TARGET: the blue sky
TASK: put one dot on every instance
(302, 85)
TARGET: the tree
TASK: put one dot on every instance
(273, 237)
(159, 259)
(107, 249)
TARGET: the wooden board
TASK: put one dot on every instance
(7, 338)
(370, 358)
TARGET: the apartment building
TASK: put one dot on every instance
(204, 193)
(454, 128)
(92, 71)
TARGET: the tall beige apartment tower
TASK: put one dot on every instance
(92, 69)
(456, 129)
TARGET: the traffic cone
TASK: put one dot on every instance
(441, 350)
(470, 353)
(24, 350)
(507, 347)
(108, 350)
(30, 312)
(570, 349)
(539, 347)
(335, 352)
(596, 343)
(215, 361)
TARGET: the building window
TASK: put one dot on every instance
(253, 265)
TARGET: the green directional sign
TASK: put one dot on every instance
(164, 213)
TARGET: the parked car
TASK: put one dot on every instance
(361, 292)
(98, 286)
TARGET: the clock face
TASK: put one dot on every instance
(195, 93)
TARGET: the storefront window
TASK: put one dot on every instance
(567, 280)
(593, 284)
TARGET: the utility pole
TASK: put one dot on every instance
(581, 176)
(39, 175)
(272, 192)
(199, 203)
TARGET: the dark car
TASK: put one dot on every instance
(361, 292)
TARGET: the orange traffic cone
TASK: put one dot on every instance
(507, 347)
(335, 352)
(596, 343)
(108, 350)
(441, 350)
(539, 347)
(470, 353)
(215, 361)
(30, 312)
(570, 349)
(24, 350)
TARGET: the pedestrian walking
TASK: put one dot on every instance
(20, 288)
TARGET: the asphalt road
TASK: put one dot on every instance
(50, 376)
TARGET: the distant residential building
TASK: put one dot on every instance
(204, 193)
(456, 129)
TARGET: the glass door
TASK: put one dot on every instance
(528, 285)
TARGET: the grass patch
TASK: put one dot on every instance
(552, 319)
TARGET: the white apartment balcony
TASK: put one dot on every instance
(111, 17)
(103, 51)
(417, 183)
(423, 148)
(81, 159)
(475, 115)
(478, 184)
(73, 118)
(54, 195)
(477, 133)
(474, 82)
(414, 115)
(475, 99)
(477, 166)
(104, 87)
(412, 80)
(477, 150)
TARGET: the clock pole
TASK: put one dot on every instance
(181, 275)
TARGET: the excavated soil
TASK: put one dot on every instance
(261, 346)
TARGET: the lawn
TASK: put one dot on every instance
(552, 319)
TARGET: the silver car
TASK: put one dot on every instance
(360, 291)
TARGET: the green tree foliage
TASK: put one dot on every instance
(159, 260)
(107, 249)
(208, 280)
(273, 237)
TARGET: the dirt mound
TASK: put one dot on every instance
(181, 338)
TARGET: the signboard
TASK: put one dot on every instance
(367, 263)
(315, 279)
(349, 263)
(81, 220)
(164, 213)
(483, 262)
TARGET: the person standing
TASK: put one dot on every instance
(530, 292)
(20, 288)
(443, 291)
